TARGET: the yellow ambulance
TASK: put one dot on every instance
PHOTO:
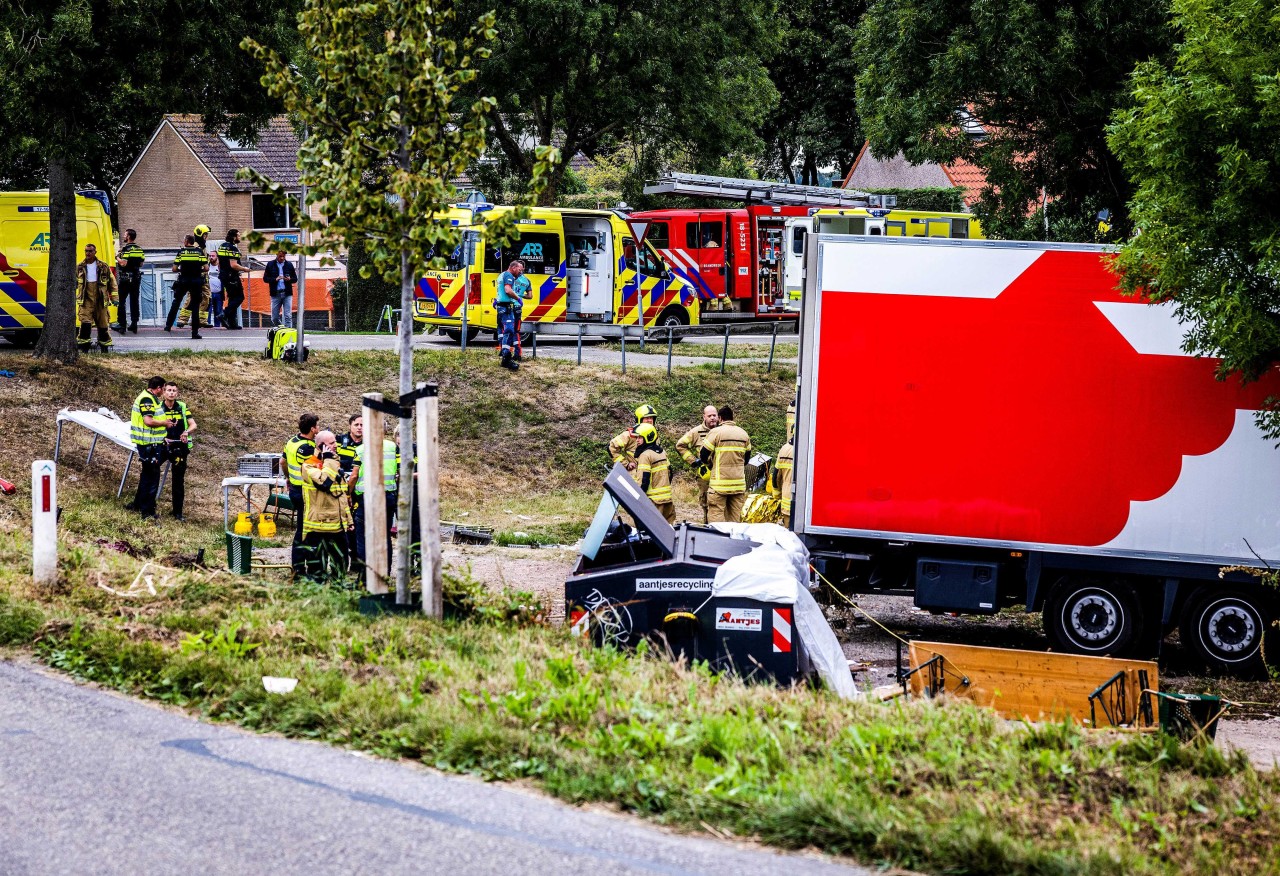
(25, 241)
(584, 267)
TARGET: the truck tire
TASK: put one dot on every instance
(1225, 629)
(25, 338)
(1095, 616)
(456, 335)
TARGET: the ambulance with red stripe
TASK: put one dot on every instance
(25, 242)
(585, 266)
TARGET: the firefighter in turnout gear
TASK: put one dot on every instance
(725, 451)
(623, 446)
(129, 261)
(95, 291)
(780, 479)
(325, 518)
(191, 265)
(297, 449)
(655, 471)
(688, 446)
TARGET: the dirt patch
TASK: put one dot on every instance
(541, 571)
(1260, 740)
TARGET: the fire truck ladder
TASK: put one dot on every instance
(757, 191)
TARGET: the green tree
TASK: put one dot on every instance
(585, 74)
(815, 122)
(386, 135)
(75, 110)
(1202, 145)
(1041, 78)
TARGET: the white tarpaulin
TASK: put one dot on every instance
(778, 571)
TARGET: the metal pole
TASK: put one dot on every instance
(92, 447)
(670, 341)
(375, 500)
(622, 338)
(772, 344)
(724, 354)
(428, 410)
(302, 274)
(466, 309)
(579, 343)
(534, 332)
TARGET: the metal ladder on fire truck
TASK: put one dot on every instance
(765, 192)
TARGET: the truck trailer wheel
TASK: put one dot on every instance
(1226, 630)
(1092, 616)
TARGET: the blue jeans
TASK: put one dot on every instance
(282, 310)
(507, 330)
(215, 309)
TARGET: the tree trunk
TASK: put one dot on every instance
(58, 340)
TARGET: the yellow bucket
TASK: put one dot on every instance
(243, 525)
(267, 526)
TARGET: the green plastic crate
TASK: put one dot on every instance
(239, 553)
(1185, 715)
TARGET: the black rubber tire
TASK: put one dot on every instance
(1225, 629)
(25, 338)
(673, 316)
(1095, 616)
(456, 335)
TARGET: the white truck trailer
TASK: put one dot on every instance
(985, 424)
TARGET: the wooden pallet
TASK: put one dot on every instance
(1036, 685)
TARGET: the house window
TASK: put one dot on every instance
(238, 145)
(270, 216)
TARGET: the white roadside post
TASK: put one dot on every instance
(375, 502)
(44, 521)
(428, 414)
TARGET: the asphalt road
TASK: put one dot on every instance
(693, 351)
(92, 782)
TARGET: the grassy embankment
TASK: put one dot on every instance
(937, 787)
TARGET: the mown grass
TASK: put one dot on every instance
(737, 350)
(938, 787)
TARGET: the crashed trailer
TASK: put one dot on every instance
(655, 582)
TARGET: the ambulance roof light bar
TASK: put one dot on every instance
(756, 190)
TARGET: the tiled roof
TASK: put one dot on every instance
(275, 154)
(870, 172)
(967, 176)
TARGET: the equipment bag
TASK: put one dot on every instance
(280, 339)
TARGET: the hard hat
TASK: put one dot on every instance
(647, 433)
(645, 411)
(200, 230)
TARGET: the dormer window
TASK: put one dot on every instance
(237, 145)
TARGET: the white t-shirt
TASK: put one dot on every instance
(91, 272)
(215, 284)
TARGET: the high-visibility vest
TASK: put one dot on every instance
(296, 451)
(729, 445)
(390, 465)
(655, 464)
(139, 431)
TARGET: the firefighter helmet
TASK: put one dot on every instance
(647, 433)
(201, 230)
(645, 411)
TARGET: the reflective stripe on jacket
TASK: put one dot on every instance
(729, 446)
(142, 434)
(689, 443)
(322, 491)
(655, 475)
(296, 450)
(623, 446)
(783, 467)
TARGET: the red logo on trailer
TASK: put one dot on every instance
(1023, 416)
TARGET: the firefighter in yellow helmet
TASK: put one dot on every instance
(655, 471)
(725, 450)
(622, 447)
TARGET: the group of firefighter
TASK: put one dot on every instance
(717, 450)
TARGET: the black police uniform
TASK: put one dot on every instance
(130, 279)
(191, 262)
(232, 287)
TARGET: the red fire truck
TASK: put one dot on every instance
(986, 424)
(739, 260)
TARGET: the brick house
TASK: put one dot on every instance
(186, 176)
(872, 172)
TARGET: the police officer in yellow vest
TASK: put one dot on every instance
(356, 484)
(688, 446)
(179, 439)
(324, 514)
(655, 471)
(725, 451)
(297, 450)
(147, 428)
